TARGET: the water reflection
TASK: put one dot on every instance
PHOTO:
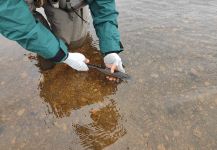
(68, 92)
(103, 131)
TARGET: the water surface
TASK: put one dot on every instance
(171, 103)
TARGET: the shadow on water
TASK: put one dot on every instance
(65, 90)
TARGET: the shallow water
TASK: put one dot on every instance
(171, 103)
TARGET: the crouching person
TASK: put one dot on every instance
(68, 21)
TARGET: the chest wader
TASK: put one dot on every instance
(68, 19)
(69, 22)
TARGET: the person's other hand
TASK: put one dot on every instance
(77, 61)
(113, 61)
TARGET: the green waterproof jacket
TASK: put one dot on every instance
(18, 24)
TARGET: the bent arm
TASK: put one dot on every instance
(104, 16)
(18, 24)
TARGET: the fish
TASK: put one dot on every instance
(107, 71)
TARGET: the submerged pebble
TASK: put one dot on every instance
(179, 69)
(94, 111)
(2, 83)
(64, 127)
(176, 133)
(162, 68)
(161, 147)
(23, 75)
(21, 112)
(13, 141)
(41, 79)
(206, 83)
(146, 135)
(154, 75)
(195, 72)
(197, 132)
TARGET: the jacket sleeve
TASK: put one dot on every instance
(18, 24)
(104, 16)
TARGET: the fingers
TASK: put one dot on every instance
(112, 79)
(87, 61)
(115, 62)
(113, 68)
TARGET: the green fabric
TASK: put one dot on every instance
(104, 16)
(18, 24)
(89, 1)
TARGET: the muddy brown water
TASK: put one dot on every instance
(171, 53)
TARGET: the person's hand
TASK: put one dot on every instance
(113, 61)
(77, 61)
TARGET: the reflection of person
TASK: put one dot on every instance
(82, 98)
(74, 91)
(105, 129)
(18, 24)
